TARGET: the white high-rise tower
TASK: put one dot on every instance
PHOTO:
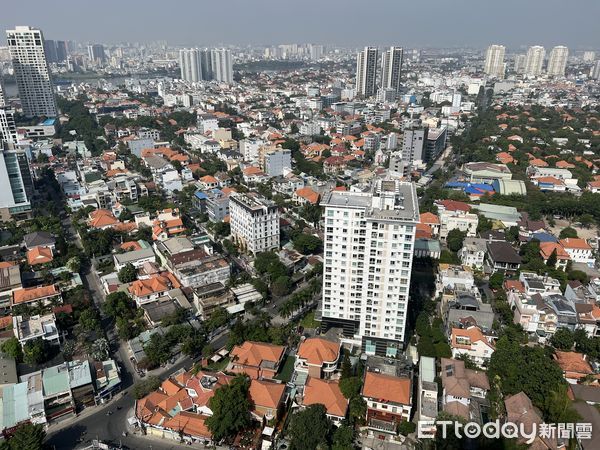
(190, 64)
(366, 72)
(557, 61)
(391, 68)
(534, 61)
(26, 46)
(369, 250)
(494, 61)
(222, 66)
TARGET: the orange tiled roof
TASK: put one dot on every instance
(266, 393)
(473, 333)
(572, 362)
(25, 295)
(546, 249)
(39, 255)
(326, 393)
(429, 218)
(387, 388)
(143, 288)
(575, 243)
(254, 353)
(101, 218)
(308, 194)
(130, 245)
(318, 350)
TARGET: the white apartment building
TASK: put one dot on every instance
(275, 162)
(190, 64)
(557, 61)
(254, 222)
(366, 72)
(221, 65)
(460, 220)
(534, 61)
(391, 67)
(249, 148)
(26, 47)
(369, 249)
(494, 61)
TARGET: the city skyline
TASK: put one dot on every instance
(265, 22)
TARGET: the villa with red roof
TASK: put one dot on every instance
(258, 360)
(318, 357)
(579, 250)
(389, 401)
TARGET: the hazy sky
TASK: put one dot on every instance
(427, 23)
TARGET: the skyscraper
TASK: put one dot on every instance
(366, 72)
(534, 61)
(190, 64)
(206, 64)
(50, 48)
(96, 53)
(221, 64)
(494, 61)
(557, 61)
(26, 46)
(596, 71)
(589, 56)
(369, 249)
(61, 51)
(391, 68)
(520, 63)
(316, 52)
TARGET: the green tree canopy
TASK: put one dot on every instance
(563, 339)
(26, 437)
(455, 239)
(307, 243)
(568, 232)
(128, 273)
(309, 428)
(231, 408)
(12, 347)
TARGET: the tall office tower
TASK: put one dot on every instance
(316, 52)
(391, 68)
(366, 72)
(206, 64)
(61, 51)
(557, 61)
(50, 48)
(369, 249)
(589, 56)
(221, 64)
(96, 53)
(596, 71)
(519, 66)
(413, 146)
(26, 46)
(8, 127)
(534, 61)
(190, 64)
(254, 222)
(494, 61)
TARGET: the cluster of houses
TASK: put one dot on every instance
(179, 408)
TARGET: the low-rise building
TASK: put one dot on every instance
(258, 360)
(389, 401)
(318, 357)
(463, 390)
(471, 342)
(328, 394)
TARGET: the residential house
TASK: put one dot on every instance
(148, 290)
(318, 357)
(471, 342)
(328, 394)
(268, 398)
(34, 327)
(575, 366)
(44, 294)
(389, 401)
(579, 251)
(258, 360)
(472, 253)
(502, 256)
(463, 390)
